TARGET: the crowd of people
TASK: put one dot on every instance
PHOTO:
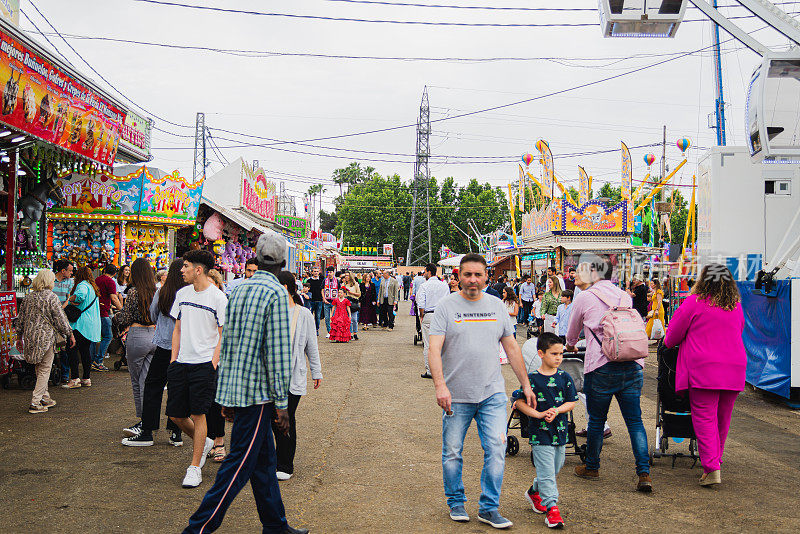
(242, 352)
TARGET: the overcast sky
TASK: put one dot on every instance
(298, 98)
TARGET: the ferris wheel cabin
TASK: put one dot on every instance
(641, 18)
(773, 109)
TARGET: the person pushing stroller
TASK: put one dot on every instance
(555, 397)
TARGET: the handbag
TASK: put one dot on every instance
(657, 332)
(355, 306)
(74, 313)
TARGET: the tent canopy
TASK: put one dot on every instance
(451, 262)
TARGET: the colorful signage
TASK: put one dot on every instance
(47, 103)
(549, 170)
(388, 249)
(538, 222)
(139, 196)
(627, 173)
(135, 135)
(299, 226)
(259, 195)
(594, 219)
(583, 193)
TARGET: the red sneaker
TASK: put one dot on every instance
(535, 500)
(553, 518)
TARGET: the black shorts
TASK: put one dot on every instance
(191, 388)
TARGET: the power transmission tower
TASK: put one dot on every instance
(199, 170)
(419, 238)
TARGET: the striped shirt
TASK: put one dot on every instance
(255, 362)
(62, 289)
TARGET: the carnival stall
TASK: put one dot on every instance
(238, 205)
(116, 218)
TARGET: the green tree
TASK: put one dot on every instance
(327, 221)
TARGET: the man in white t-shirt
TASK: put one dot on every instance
(428, 296)
(199, 313)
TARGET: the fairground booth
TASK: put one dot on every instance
(117, 218)
(53, 122)
(238, 204)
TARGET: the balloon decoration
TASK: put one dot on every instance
(649, 159)
(541, 144)
(683, 144)
(527, 159)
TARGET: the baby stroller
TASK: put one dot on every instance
(117, 347)
(673, 411)
(572, 365)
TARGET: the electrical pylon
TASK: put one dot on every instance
(419, 238)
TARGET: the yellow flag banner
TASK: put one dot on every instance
(627, 173)
(583, 193)
(547, 163)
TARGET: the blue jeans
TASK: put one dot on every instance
(490, 416)
(328, 312)
(354, 322)
(548, 461)
(251, 458)
(98, 350)
(622, 380)
(316, 310)
(63, 357)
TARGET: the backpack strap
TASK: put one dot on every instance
(604, 301)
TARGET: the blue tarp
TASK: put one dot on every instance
(767, 337)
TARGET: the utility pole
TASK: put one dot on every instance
(199, 169)
(419, 238)
(719, 105)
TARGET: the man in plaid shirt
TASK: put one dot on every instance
(254, 374)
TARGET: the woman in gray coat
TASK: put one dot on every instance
(304, 345)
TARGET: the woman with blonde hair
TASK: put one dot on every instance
(550, 302)
(40, 318)
(712, 361)
(216, 277)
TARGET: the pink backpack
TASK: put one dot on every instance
(624, 335)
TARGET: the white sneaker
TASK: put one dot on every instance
(193, 477)
(209, 444)
(283, 476)
(328, 335)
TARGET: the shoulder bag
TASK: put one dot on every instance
(74, 313)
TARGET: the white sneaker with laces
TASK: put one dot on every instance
(283, 476)
(207, 447)
(193, 477)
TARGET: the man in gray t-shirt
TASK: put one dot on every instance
(466, 332)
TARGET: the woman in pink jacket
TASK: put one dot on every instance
(711, 360)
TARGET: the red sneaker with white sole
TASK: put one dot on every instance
(535, 501)
(553, 518)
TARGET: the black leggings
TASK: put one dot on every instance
(154, 391)
(286, 445)
(80, 352)
(215, 421)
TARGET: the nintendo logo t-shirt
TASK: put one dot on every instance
(472, 331)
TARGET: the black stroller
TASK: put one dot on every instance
(673, 412)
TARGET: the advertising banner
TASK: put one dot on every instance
(549, 171)
(627, 173)
(594, 219)
(298, 225)
(135, 135)
(388, 249)
(136, 196)
(521, 190)
(259, 195)
(583, 193)
(45, 102)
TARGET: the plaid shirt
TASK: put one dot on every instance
(255, 361)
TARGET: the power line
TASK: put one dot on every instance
(488, 8)
(376, 21)
(111, 85)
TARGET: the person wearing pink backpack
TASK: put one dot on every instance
(613, 366)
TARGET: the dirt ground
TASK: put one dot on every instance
(369, 460)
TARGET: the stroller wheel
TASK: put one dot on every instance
(117, 365)
(512, 446)
(27, 382)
